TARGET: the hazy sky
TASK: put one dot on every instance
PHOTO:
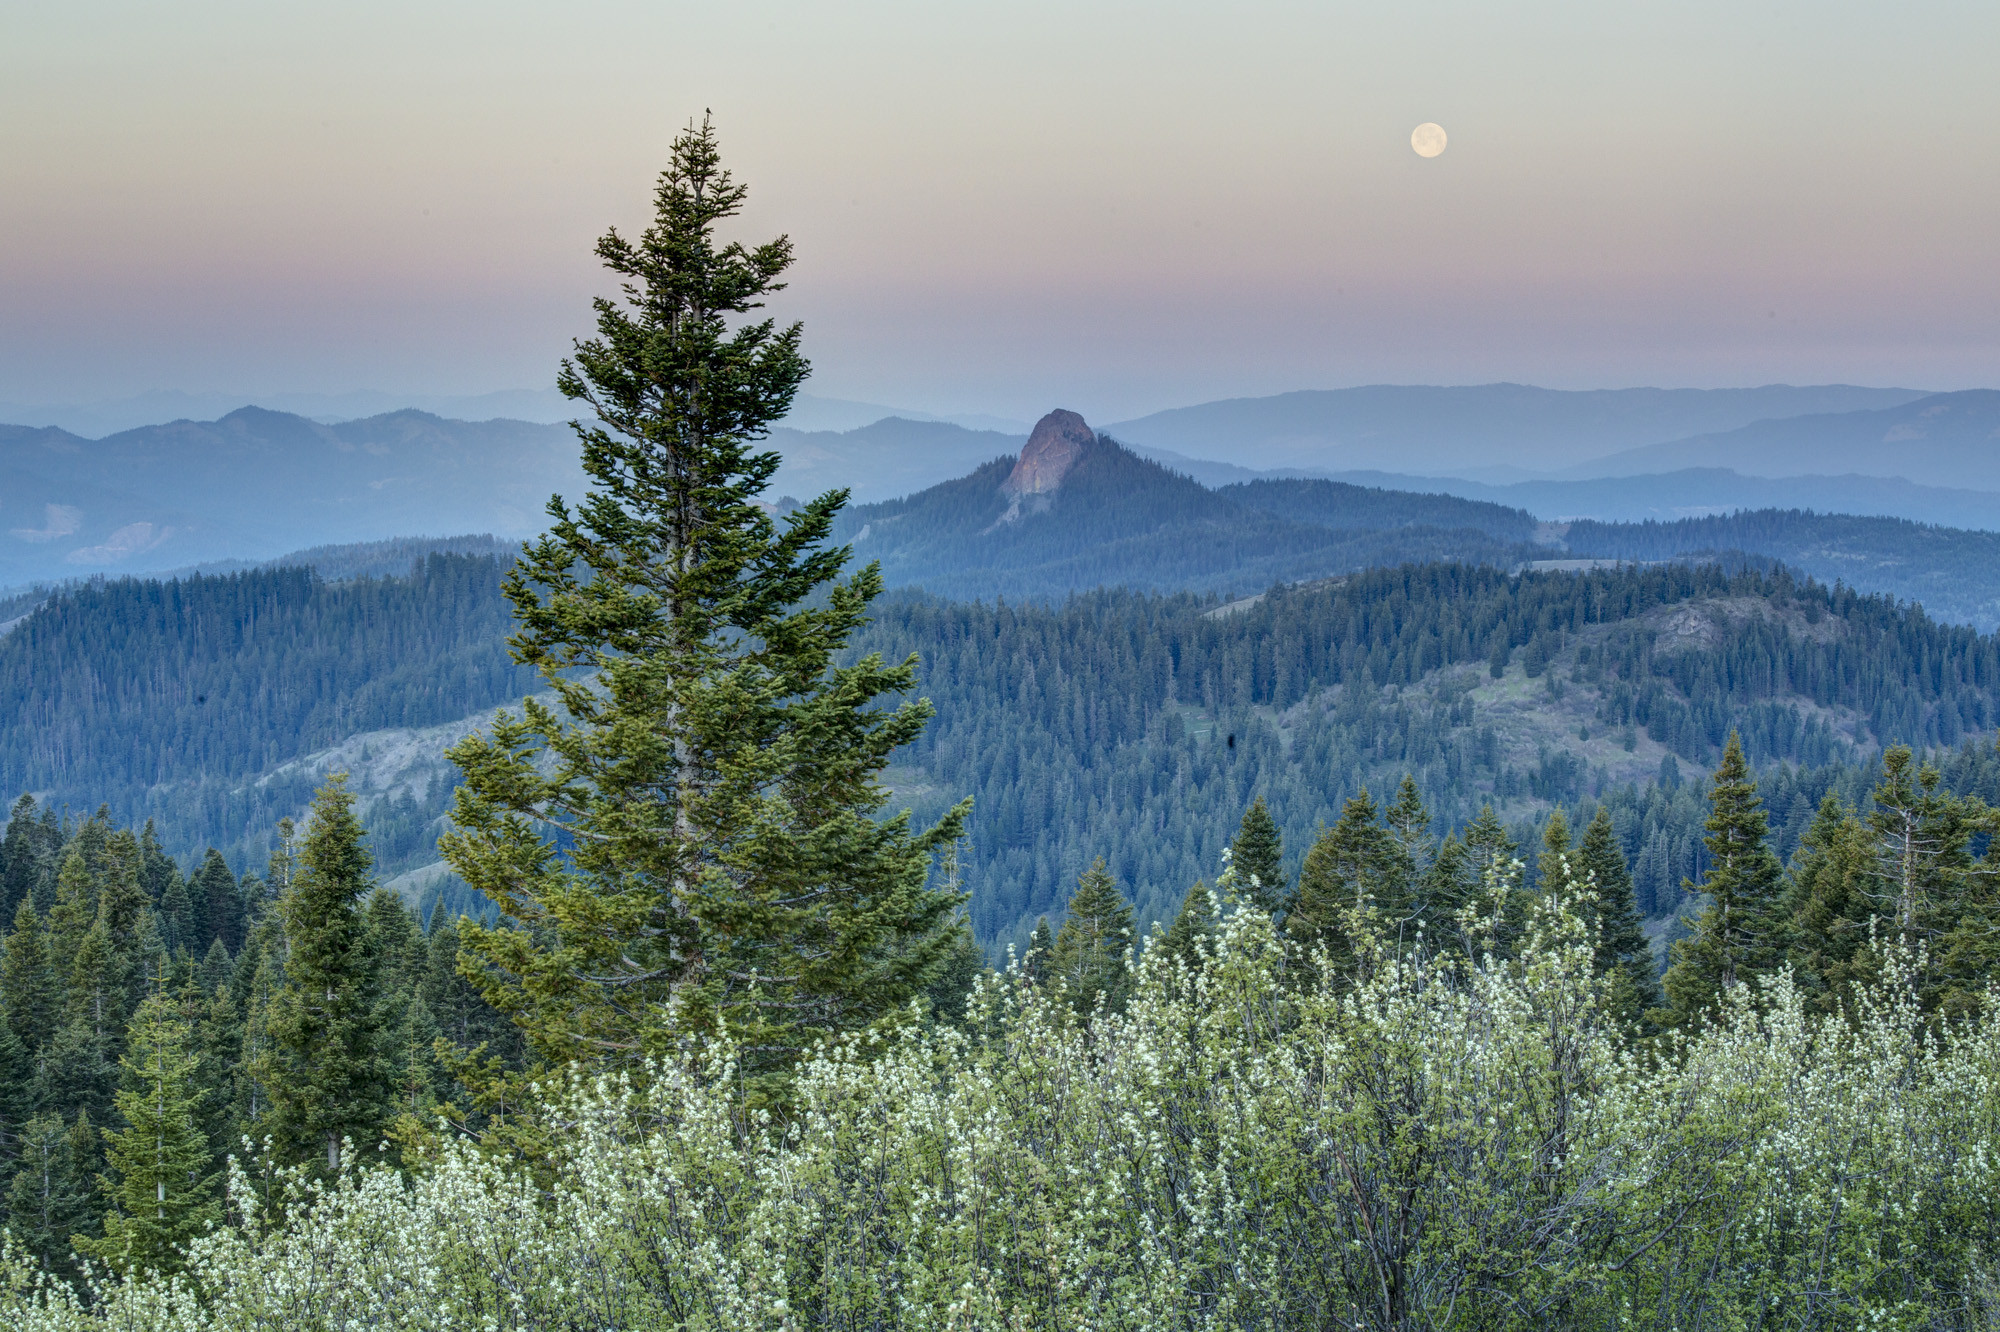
(1000, 207)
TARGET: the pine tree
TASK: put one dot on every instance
(1041, 947)
(1409, 822)
(177, 922)
(1093, 949)
(159, 1186)
(1348, 887)
(1830, 905)
(1193, 927)
(219, 907)
(1258, 857)
(1741, 934)
(715, 771)
(20, 858)
(157, 870)
(1927, 888)
(29, 986)
(1622, 950)
(48, 1199)
(330, 1084)
(948, 993)
(1549, 865)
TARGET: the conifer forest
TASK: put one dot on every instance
(689, 922)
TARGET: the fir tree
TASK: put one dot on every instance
(1550, 873)
(218, 906)
(48, 1199)
(29, 986)
(947, 995)
(20, 856)
(157, 870)
(329, 1083)
(1041, 947)
(1622, 949)
(714, 770)
(1741, 934)
(1193, 927)
(1830, 904)
(1093, 949)
(1348, 887)
(1927, 888)
(1258, 857)
(1409, 822)
(177, 920)
(159, 1186)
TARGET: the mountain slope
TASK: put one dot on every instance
(1111, 518)
(1416, 428)
(1941, 439)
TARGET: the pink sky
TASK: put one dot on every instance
(1119, 207)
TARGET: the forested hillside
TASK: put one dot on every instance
(1138, 728)
(188, 701)
(1122, 724)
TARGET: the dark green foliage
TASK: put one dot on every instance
(1612, 910)
(159, 1185)
(1258, 857)
(49, 1198)
(1100, 727)
(1353, 889)
(1041, 947)
(1741, 934)
(1091, 956)
(713, 784)
(162, 697)
(1193, 925)
(326, 1041)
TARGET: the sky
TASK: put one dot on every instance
(999, 208)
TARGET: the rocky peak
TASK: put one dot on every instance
(1057, 442)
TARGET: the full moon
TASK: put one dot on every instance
(1427, 139)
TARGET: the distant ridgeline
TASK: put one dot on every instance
(1139, 727)
(1077, 511)
(213, 704)
(1123, 723)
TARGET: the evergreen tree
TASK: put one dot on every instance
(159, 1186)
(29, 986)
(1927, 887)
(1409, 823)
(1349, 885)
(220, 909)
(20, 856)
(48, 1199)
(1623, 951)
(1830, 904)
(715, 771)
(157, 871)
(1549, 865)
(948, 993)
(329, 1084)
(1041, 947)
(177, 919)
(1258, 857)
(1741, 934)
(1091, 958)
(1194, 925)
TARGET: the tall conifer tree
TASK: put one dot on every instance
(713, 774)
(1741, 934)
(1258, 857)
(160, 1184)
(1093, 949)
(329, 1082)
(1622, 950)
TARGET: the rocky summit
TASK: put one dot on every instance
(1059, 439)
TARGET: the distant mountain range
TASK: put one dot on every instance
(1077, 511)
(1491, 432)
(255, 482)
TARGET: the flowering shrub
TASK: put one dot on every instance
(1439, 1144)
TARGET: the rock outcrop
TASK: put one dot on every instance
(1059, 439)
